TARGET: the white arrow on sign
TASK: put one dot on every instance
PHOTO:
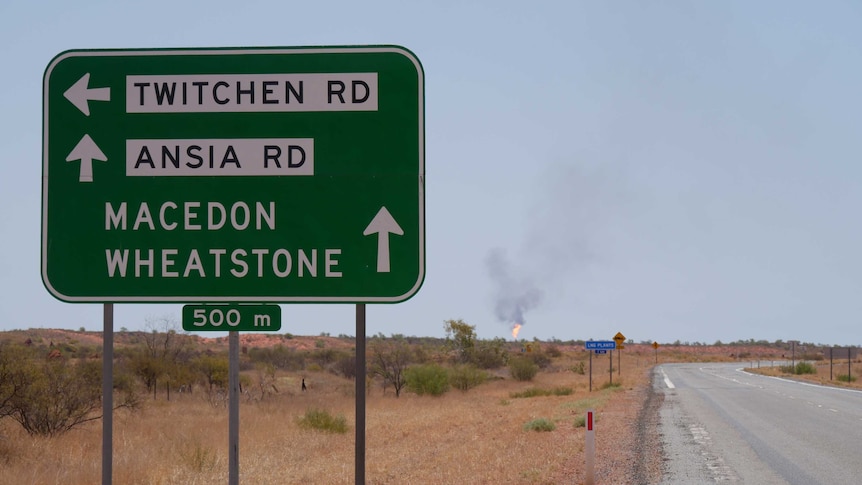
(80, 94)
(86, 151)
(383, 224)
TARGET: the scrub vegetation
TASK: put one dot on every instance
(437, 410)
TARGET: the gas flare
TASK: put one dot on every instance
(515, 329)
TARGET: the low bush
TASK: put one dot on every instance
(580, 421)
(465, 377)
(579, 368)
(321, 420)
(553, 351)
(427, 379)
(540, 358)
(540, 424)
(536, 392)
(523, 369)
(799, 369)
(531, 392)
(489, 354)
(846, 378)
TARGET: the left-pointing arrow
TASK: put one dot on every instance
(80, 94)
(86, 151)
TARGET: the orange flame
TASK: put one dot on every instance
(515, 329)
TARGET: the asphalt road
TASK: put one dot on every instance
(721, 424)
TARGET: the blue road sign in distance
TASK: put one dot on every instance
(600, 345)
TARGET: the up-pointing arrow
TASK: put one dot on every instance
(80, 94)
(383, 224)
(86, 151)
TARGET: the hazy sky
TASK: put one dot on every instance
(671, 170)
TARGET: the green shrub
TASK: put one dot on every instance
(846, 378)
(465, 377)
(799, 369)
(489, 354)
(531, 392)
(540, 358)
(553, 351)
(321, 420)
(579, 368)
(536, 392)
(523, 369)
(581, 420)
(427, 379)
(540, 424)
(611, 385)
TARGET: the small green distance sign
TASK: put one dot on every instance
(256, 318)
(276, 174)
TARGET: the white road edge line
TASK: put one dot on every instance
(667, 381)
(809, 384)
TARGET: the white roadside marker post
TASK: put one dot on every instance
(590, 448)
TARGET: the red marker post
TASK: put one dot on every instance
(590, 448)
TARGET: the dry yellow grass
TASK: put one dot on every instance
(474, 437)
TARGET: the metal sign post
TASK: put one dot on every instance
(611, 366)
(359, 459)
(233, 408)
(107, 393)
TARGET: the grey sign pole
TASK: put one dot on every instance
(611, 368)
(360, 394)
(233, 408)
(107, 393)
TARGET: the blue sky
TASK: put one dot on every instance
(671, 170)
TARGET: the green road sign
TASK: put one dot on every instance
(234, 175)
(221, 317)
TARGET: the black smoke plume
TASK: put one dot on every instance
(514, 293)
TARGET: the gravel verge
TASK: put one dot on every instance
(628, 440)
